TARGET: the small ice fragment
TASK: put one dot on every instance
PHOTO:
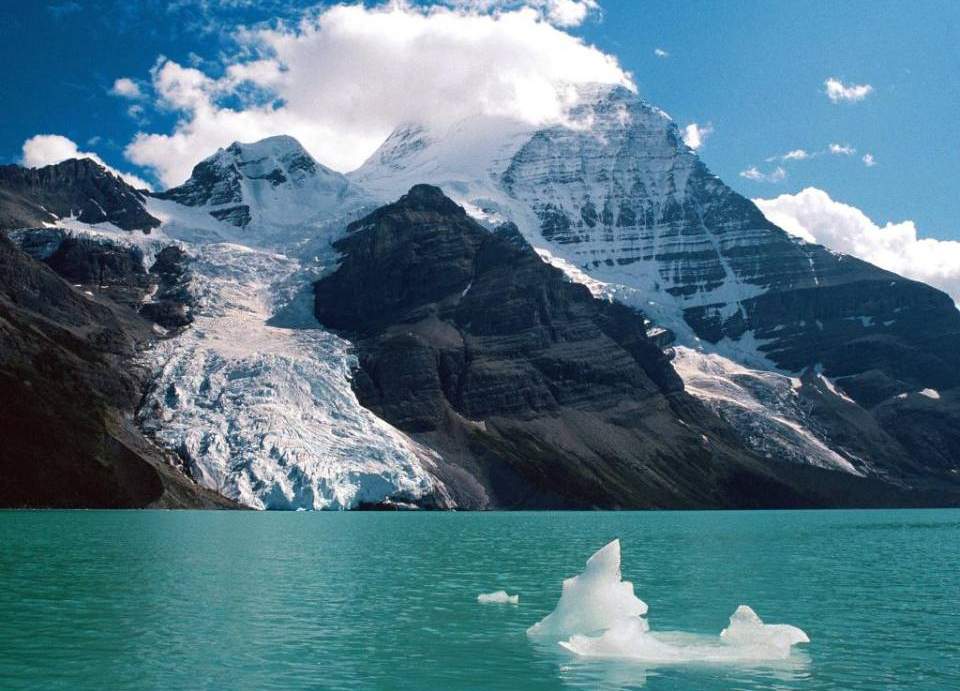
(592, 601)
(500, 597)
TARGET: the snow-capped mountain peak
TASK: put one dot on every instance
(273, 182)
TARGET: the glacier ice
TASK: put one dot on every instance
(592, 601)
(598, 616)
(499, 597)
(255, 396)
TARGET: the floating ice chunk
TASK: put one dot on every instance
(592, 601)
(746, 639)
(500, 597)
(626, 639)
(600, 617)
(748, 632)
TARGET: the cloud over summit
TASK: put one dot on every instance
(343, 77)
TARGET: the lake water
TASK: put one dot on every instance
(217, 600)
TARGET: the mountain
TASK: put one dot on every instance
(571, 315)
(272, 182)
(615, 198)
(70, 388)
(534, 392)
(77, 188)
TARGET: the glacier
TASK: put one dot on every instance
(255, 396)
(598, 616)
(265, 414)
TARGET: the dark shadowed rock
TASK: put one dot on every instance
(70, 387)
(82, 188)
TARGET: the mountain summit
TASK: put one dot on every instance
(270, 182)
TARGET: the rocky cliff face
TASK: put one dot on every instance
(78, 188)
(533, 391)
(70, 387)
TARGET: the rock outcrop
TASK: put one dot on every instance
(70, 387)
(76, 188)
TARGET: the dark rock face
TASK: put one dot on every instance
(30, 197)
(535, 393)
(172, 303)
(69, 392)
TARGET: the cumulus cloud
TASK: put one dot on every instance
(661, 53)
(569, 13)
(47, 149)
(842, 150)
(694, 135)
(345, 76)
(796, 155)
(812, 215)
(839, 92)
(126, 88)
(869, 161)
(778, 174)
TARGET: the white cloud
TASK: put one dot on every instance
(126, 88)
(694, 135)
(812, 215)
(345, 76)
(869, 161)
(842, 150)
(562, 13)
(47, 149)
(778, 174)
(568, 13)
(837, 91)
(661, 53)
(796, 155)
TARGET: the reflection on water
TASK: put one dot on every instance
(586, 673)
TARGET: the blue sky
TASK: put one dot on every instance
(754, 72)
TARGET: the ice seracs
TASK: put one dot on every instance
(599, 616)
(265, 414)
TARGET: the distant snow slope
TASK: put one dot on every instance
(765, 407)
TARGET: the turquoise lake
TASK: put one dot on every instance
(220, 600)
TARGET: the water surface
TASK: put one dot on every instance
(215, 600)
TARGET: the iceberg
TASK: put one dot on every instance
(500, 597)
(598, 616)
(593, 601)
